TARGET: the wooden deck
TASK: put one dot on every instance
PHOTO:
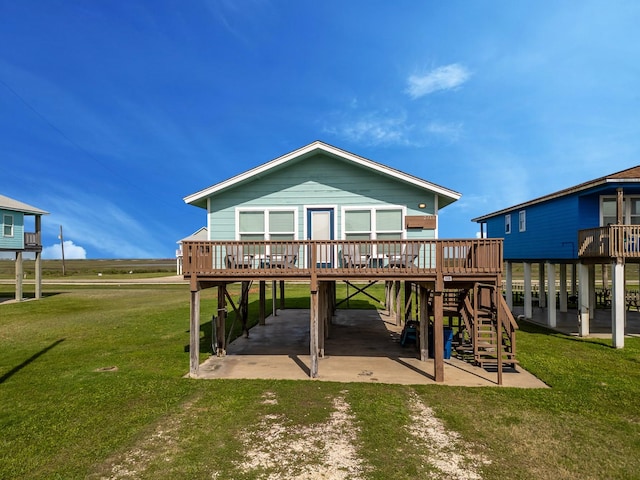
(466, 260)
(431, 266)
(612, 241)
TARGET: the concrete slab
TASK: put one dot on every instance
(363, 346)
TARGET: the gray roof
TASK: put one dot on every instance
(7, 203)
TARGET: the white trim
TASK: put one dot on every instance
(305, 225)
(13, 225)
(374, 226)
(266, 211)
(522, 221)
(328, 149)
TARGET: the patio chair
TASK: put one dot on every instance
(352, 258)
(407, 257)
(286, 257)
(236, 258)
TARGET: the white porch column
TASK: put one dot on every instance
(542, 301)
(509, 284)
(617, 304)
(563, 287)
(551, 307)
(583, 299)
(38, 268)
(19, 276)
(592, 291)
(527, 291)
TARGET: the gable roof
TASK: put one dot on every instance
(17, 206)
(630, 175)
(198, 199)
(201, 234)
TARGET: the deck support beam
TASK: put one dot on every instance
(19, 276)
(38, 267)
(542, 292)
(221, 321)
(262, 303)
(563, 287)
(584, 312)
(398, 302)
(528, 311)
(508, 266)
(424, 323)
(551, 282)
(194, 333)
(313, 329)
(618, 311)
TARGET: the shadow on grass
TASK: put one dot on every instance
(29, 360)
(536, 329)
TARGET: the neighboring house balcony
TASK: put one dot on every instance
(465, 260)
(612, 241)
(32, 242)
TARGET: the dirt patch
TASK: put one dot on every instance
(445, 451)
(280, 450)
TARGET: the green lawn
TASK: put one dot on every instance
(91, 386)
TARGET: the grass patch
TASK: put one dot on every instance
(66, 413)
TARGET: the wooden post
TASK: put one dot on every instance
(274, 297)
(194, 334)
(244, 307)
(221, 325)
(19, 275)
(407, 300)
(619, 206)
(281, 294)
(262, 303)
(508, 266)
(424, 323)
(38, 267)
(398, 302)
(313, 329)
(438, 314)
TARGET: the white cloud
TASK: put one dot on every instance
(374, 128)
(71, 251)
(441, 78)
(448, 131)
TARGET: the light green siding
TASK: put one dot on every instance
(15, 241)
(317, 181)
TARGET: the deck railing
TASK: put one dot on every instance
(611, 241)
(342, 257)
(32, 240)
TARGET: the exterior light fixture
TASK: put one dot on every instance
(422, 205)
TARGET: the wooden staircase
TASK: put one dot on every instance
(490, 328)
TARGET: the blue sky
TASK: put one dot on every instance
(112, 111)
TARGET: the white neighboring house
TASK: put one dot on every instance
(202, 234)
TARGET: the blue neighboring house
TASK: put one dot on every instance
(15, 238)
(595, 222)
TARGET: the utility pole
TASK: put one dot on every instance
(62, 249)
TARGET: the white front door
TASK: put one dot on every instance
(320, 227)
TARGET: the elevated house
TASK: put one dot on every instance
(15, 238)
(593, 223)
(322, 215)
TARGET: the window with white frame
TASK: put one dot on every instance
(266, 224)
(630, 211)
(522, 220)
(507, 223)
(7, 226)
(373, 223)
